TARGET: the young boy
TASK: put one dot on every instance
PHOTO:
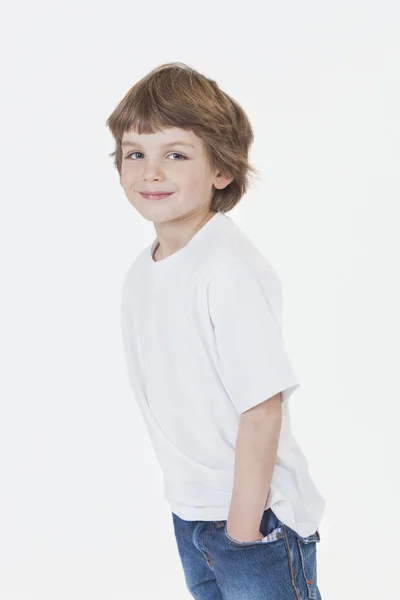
(201, 317)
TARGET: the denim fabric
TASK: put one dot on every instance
(281, 566)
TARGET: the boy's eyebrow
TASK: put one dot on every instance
(176, 143)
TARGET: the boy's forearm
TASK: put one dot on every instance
(255, 458)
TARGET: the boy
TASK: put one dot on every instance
(202, 333)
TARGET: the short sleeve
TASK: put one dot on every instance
(244, 306)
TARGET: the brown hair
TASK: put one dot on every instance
(175, 95)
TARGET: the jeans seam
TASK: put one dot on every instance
(308, 582)
(291, 564)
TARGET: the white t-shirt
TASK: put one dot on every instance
(202, 335)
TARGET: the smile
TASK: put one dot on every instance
(155, 196)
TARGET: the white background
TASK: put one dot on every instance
(82, 512)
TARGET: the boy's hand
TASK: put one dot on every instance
(245, 538)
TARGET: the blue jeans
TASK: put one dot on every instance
(281, 566)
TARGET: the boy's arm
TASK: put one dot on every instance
(255, 457)
(245, 309)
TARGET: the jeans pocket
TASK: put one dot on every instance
(308, 555)
(273, 536)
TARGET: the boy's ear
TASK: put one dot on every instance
(221, 181)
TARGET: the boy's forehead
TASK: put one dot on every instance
(165, 136)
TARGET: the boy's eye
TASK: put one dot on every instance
(177, 153)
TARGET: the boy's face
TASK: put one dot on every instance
(157, 163)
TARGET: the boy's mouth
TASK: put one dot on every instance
(155, 196)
